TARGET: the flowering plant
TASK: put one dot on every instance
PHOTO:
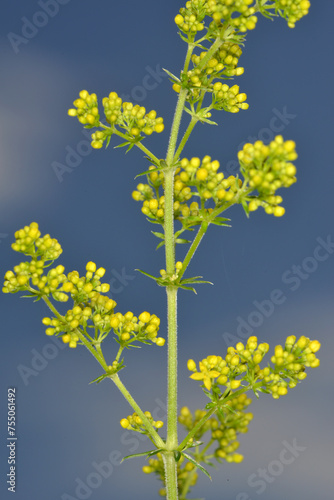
(180, 195)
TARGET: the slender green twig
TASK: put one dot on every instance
(155, 436)
(212, 410)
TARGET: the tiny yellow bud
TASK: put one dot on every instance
(191, 365)
(314, 345)
(144, 317)
(124, 423)
(91, 266)
(201, 174)
(114, 322)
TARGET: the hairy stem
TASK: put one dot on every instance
(172, 441)
(155, 436)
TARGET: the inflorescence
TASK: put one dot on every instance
(93, 315)
(126, 116)
(201, 191)
(241, 366)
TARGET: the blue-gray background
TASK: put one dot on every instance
(65, 426)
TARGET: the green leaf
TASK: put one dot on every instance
(158, 235)
(145, 453)
(182, 241)
(188, 288)
(199, 466)
(220, 221)
(122, 145)
(195, 280)
(174, 78)
(177, 455)
(193, 444)
(148, 275)
(108, 140)
(148, 171)
(100, 378)
(245, 207)
(161, 244)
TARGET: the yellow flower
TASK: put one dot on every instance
(206, 375)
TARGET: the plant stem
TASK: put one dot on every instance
(155, 436)
(138, 144)
(170, 475)
(201, 232)
(172, 442)
(212, 410)
(185, 138)
(97, 353)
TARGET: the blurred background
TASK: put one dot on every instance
(49, 174)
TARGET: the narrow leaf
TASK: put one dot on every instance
(158, 235)
(182, 241)
(175, 78)
(145, 453)
(148, 171)
(148, 275)
(199, 466)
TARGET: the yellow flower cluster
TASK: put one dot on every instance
(191, 17)
(189, 421)
(224, 427)
(290, 362)
(29, 242)
(202, 175)
(221, 10)
(41, 250)
(229, 98)
(132, 118)
(134, 423)
(215, 367)
(224, 64)
(293, 10)
(224, 61)
(267, 168)
(92, 309)
(186, 474)
(130, 328)
(87, 110)
(289, 365)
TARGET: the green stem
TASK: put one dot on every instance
(97, 353)
(212, 410)
(170, 475)
(201, 232)
(138, 144)
(212, 50)
(185, 138)
(172, 441)
(155, 436)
